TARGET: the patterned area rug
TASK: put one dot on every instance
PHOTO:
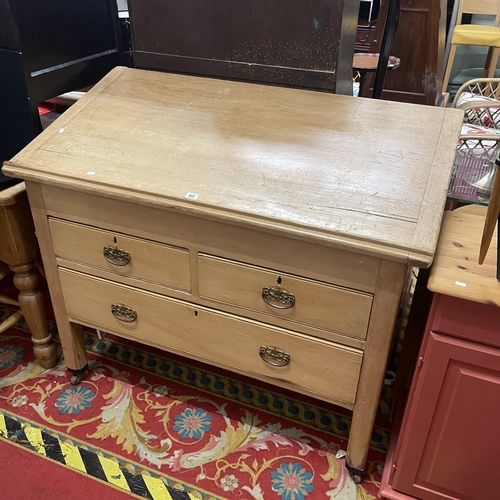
(147, 421)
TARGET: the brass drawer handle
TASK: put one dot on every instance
(274, 356)
(278, 298)
(116, 256)
(123, 313)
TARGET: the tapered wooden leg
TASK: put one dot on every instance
(487, 63)
(32, 304)
(73, 343)
(362, 81)
(495, 53)
(70, 334)
(449, 66)
(390, 284)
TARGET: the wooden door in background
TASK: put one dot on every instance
(419, 43)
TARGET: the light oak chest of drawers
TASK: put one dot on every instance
(260, 229)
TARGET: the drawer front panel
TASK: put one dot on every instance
(316, 304)
(322, 367)
(357, 271)
(149, 261)
(364, 38)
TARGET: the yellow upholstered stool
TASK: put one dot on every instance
(474, 34)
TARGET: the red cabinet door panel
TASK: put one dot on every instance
(450, 444)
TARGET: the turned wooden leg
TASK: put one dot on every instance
(32, 304)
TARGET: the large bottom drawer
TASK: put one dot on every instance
(221, 339)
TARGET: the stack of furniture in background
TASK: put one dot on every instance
(379, 63)
(419, 44)
(472, 45)
(480, 135)
(367, 20)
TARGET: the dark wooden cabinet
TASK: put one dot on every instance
(419, 43)
(298, 43)
(49, 47)
(365, 35)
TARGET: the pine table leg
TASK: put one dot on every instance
(390, 284)
(32, 304)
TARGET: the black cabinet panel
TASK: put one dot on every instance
(17, 127)
(54, 33)
(48, 47)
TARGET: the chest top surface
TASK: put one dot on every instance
(356, 173)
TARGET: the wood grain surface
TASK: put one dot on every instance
(354, 171)
(456, 271)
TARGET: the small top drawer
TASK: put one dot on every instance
(289, 297)
(364, 38)
(120, 254)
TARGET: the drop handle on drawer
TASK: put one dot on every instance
(116, 256)
(277, 297)
(274, 356)
(123, 313)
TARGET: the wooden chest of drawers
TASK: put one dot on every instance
(364, 38)
(254, 228)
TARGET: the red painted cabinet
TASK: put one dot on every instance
(449, 442)
(446, 442)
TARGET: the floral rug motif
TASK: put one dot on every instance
(207, 432)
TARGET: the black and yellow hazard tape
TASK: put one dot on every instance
(88, 461)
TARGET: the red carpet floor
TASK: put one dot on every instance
(148, 421)
(25, 475)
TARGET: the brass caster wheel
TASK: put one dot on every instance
(355, 474)
(77, 375)
(356, 478)
(76, 379)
